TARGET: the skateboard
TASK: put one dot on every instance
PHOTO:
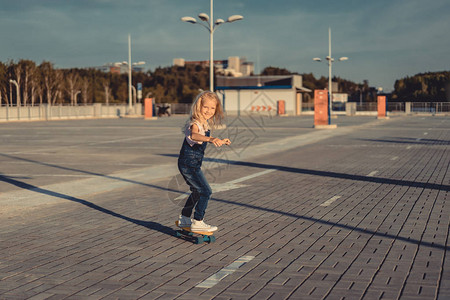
(198, 237)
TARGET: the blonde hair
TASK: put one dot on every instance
(196, 115)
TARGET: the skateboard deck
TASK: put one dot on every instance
(197, 237)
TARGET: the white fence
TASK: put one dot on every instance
(409, 107)
(354, 108)
(430, 107)
(59, 112)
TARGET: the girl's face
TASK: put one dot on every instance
(208, 108)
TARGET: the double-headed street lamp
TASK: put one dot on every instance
(330, 61)
(211, 28)
(129, 65)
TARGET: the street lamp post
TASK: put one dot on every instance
(17, 92)
(211, 28)
(129, 73)
(330, 61)
(130, 66)
(75, 97)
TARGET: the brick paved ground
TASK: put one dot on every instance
(360, 212)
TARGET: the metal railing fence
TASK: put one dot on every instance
(54, 112)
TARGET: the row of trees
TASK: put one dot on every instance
(26, 83)
(426, 87)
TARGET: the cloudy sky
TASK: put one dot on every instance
(385, 40)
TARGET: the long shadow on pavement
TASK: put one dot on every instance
(81, 171)
(328, 223)
(354, 177)
(148, 224)
(169, 231)
(402, 140)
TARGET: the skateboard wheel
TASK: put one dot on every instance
(199, 240)
(212, 239)
(177, 234)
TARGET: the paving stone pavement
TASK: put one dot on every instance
(358, 212)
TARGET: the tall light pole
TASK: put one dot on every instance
(211, 28)
(129, 65)
(129, 73)
(17, 92)
(330, 61)
(75, 97)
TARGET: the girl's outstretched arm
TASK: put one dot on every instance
(196, 136)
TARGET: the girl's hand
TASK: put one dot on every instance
(219, 143)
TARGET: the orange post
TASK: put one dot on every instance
(320, 107)
(281, 107)
(381, 106)
(148, 103)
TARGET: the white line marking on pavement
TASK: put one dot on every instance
(394, 158)
(230, 269)
(372, 173)
(230, 185)
(409, 147)
(331, 200)
(425, 133)
(252, 176)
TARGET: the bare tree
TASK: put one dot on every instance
(47, 72)
(107, 88)
(40, 93)
(18, 70)
(72, 86)
(59, 86)
(52, 82)
(3, 83)
(84, 90)
(29, 69)
(34, 87)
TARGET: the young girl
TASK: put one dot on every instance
(206, 113)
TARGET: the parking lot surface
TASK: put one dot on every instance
(87, 210)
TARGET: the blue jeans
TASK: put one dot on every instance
(189, 164)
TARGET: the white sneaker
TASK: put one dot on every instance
(184, 221)
(202, 226)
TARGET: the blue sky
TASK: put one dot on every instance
(385, 40)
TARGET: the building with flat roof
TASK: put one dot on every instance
(253, 94)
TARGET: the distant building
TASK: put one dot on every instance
(247, 68)
(179, 62)
(339, 97)
(233, 66)
(259, 94)
(119, 68)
